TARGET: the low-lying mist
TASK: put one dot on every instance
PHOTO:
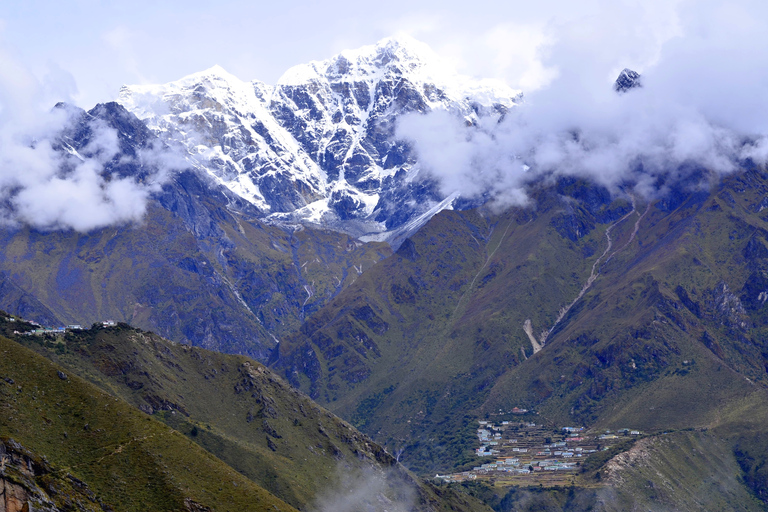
(370, 490)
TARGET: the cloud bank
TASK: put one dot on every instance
(47, 184)
(702, 106)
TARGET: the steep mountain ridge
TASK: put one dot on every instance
(201, 268)
(89, 440)
(319, 147)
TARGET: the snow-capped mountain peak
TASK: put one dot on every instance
(320, 145)
(401, 54)
(211, 75)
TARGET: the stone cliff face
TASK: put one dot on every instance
(28, 483)
(320, 146)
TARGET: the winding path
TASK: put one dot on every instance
(487, 259)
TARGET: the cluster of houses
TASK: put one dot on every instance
(50, 330)
(514, 465)
(527, 449)
(40, 330)
(625, 431)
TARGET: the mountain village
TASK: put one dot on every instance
(41, 330)
(526, 452)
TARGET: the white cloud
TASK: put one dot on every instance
(517, 52)
(705, 91)
(123, 42)
(369, 489)
(703, 66)
(57, 189)
(82, 201)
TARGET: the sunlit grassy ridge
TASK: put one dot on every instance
(127, 458)
(237, 410)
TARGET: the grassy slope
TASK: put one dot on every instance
(689, 470)
(410, 350)
(638, 353)
(236, 409)
(128, 459)
(635, 353)
(658, 342)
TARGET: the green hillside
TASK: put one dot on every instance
(237, 410)
(229, 289)
(127, 459)
(669, 333)
(412, 349)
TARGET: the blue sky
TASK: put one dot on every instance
(102, 45)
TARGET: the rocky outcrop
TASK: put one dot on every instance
(28, 483)
(627, 80)
(727, 308)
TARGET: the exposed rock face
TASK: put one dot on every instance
(627, 80)
(13, 497)
(320, 146)
(28, 483)
(191, 506)
(727, 308)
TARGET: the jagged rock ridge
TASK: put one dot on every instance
(319, 146)
(627, 80)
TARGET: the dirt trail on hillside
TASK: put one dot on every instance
(593, 274)
(487, 259)
(634, 232)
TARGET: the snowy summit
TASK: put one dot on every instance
(319, 146)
